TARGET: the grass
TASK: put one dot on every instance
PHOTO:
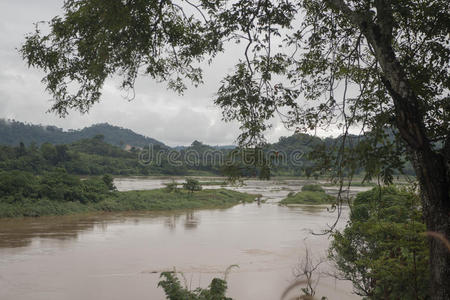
(312, 188)
(160, 199)
(311, 194)
(151, 200)
(312, 198)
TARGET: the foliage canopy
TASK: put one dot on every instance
(192, 185)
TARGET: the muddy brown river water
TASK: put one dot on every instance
(121, 255)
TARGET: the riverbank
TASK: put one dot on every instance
(150, 200)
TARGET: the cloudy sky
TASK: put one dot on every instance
(155, 112)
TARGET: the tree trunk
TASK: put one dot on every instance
(432, 167)
(432, 172)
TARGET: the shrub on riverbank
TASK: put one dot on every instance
(383, 250)
(311, 194)
(17, 187)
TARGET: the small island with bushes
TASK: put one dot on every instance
(311, 194)
(23, 194)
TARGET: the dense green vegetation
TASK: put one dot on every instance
(383, 250)
(93, 157)
(16, 186)
(23, 194)
(312, 188)
(310, 194)
(192, 185)
(99, 149)
(52, 193)
(302, 155)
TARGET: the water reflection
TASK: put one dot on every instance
(191, 221)
(171, 222)
(21, 232)
(15, 233)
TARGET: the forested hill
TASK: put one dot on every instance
(14, 132)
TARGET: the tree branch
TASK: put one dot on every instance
(379, 36)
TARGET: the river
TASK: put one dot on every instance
(121, 255)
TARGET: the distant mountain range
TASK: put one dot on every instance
(13, 132)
